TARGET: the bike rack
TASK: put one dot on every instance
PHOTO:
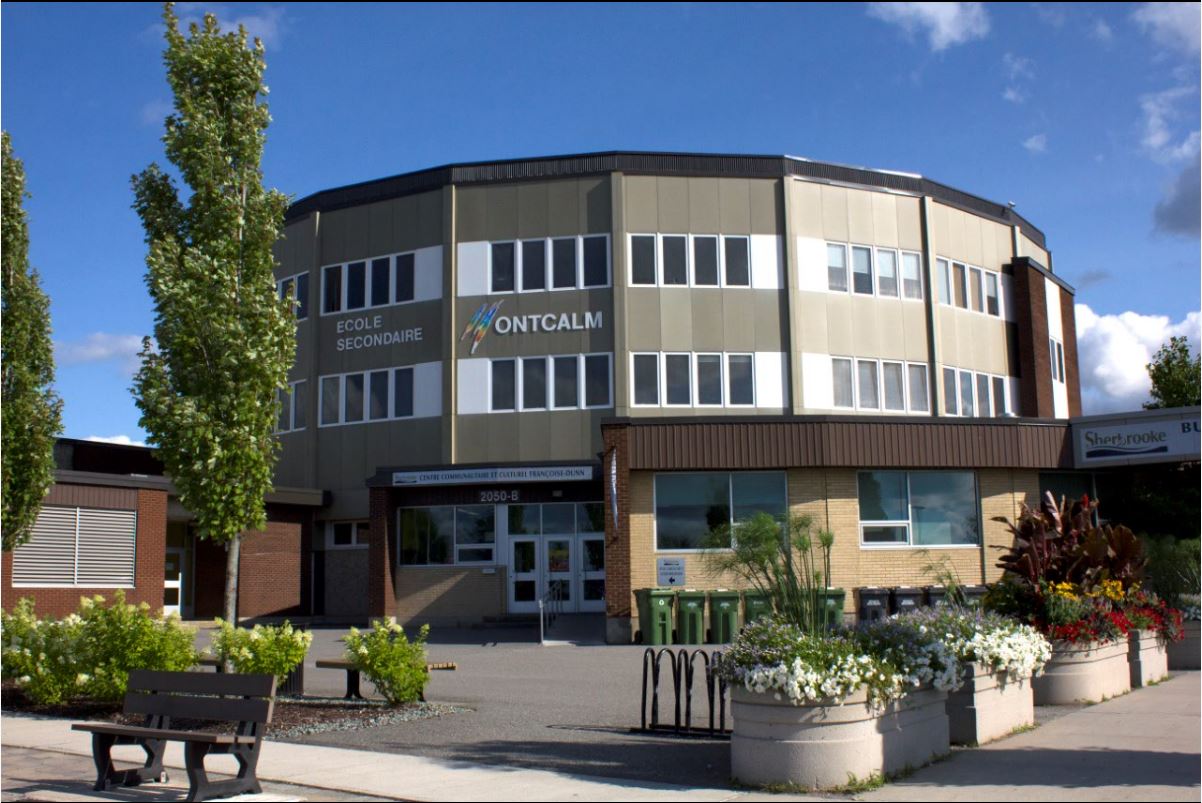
(684, 669)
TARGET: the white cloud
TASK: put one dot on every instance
(1014, 95)
(268, 23)
(1114, 351)
(1101, 31)
(123, 440)
(155, 111)
(1177, 26)
(945, 24)
(1018, 67)
(1180, 210)
(1037, 143)
(101, 347)
(1160, 110)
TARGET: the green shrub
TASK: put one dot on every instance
(1174, 568)
(394, 665)
(262, 649)
(40, 654)
(117, 638)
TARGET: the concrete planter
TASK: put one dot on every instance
(1083, 673)
(989, 705)
(821, 746)
(1184, 654)
(1147, 657)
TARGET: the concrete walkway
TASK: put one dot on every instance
(1143, 746)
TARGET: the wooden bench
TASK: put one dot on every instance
(352, 675)
(246, 700)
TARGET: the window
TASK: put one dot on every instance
(693, 511)
(502, 267)
(960, 285)
(893, 383)
(331, 392)
(346, 534)
(886, 267)
(73, 546)
(705, 261)
(402, 393)
(1001, 406)
(951, 395)
(916, 375)
(992, 302)
(945, 280)
(294, 404)
(861, 270)
(976, 289)
(675, 259)
(984, 405)
(404, 278)
(563, 263)
(352, 398)
(709, 379)
(534, 265)
(911, 276)
(379, 282)
(677, 379)
(377, 406)
(597, 383)
(642, 259)
(356, 285)
(966, 394)
(596, 261)
(866, 381)
(475, 533)
(918, 508)
(741, 375)
(646, 378)
(331, 289)
(844, 393)
(432, 536)
(296, 289)
(1056, 354)
(504, 386)
(534, 383)
(836, 268)
(361, 397)
(566, 381)
(737, 259)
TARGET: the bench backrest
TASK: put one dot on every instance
(201, 695)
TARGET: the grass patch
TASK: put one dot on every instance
(856, 786)
(1030, 726)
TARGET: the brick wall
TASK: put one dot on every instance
(148, 568)
(272, 567)
(1072, 375)
(381, 563)
(619, 578)
(1031, 318)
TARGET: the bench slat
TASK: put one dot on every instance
(343, 664)
(159, 733)
(215, 708)
(202, 683)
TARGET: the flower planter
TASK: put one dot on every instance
(821, 745)
(1184, 654)
(1083, 673)
(989, 705)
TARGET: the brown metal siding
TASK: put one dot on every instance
(751, 445)
(93, 496)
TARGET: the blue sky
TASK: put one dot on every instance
(1086, 116)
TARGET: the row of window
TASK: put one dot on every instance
(366, 396)
(294, 407)
(897, 274)
(970, 394)
(296, 289)
(894, 387)
(375, 282)
(552, 263)
(1056, 352)
(693, 380)
(969, 287)
(565, 382)
(430, 536)
(690, 260)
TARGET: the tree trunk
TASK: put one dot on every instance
(231, 580)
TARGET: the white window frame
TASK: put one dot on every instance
(896, 271)
(494, 546)
(659, 395)
(719, 259)
(517, 267)
(609, 372)
(581, 382)
(292, 403)
(726, 402)
(355, 542)
(950, 301)
(690, 262)
(689, 372)
(295, 279)
(901, 282)
(517, 389)
(908, 523)
(721, 379)
(856, 381)
(722, 261)
(905, 408)
(854, 397)
(367, 283)
(851, 269)
(926, 375)
(730, 505)
(630, 259)
(846, 268)
(367, 419)
(1056, 353)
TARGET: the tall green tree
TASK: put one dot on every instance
(31, 413)
(223, 340)
(1175, 376)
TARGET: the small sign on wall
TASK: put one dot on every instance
(669, 571)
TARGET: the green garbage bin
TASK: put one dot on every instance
(832, 604)
(724, 616)
(655, 615)
(758, 606)
(690, 616)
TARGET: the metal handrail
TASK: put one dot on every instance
(551, 601)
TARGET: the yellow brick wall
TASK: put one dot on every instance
(449, 595)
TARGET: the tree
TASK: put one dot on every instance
(223, 340)
(1175, 376)
(31, 413)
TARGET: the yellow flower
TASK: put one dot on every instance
(1066, 590)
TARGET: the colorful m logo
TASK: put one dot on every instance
(477, 327)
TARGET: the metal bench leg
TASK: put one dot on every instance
(248, 762)
(199, 785)
(194, 764)
(153, 769)
(102, 746)
(352, 685)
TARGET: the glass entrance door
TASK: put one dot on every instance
(556, 547)
(525, 578)
(592, 573)
(173, 581)
(559, 570)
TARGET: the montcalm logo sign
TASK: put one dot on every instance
(486, 318)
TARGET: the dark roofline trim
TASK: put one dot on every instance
(652, 163)
(1034, 263)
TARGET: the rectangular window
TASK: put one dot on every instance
(945, 280)
(646, 379)
(695, 511)
(597, 381)
(300, 405)
(402, 393)
(869, 398)
(992, 302)
(983, 404)
(642, 259)
(960, 285)
(705, 261)
(966, 394)
(975, 289)
(534, 265)
(502, 267)
(861, 269)
(71, 546)
(356, 285)
(534, 383)
(381, 285)
(331, 289)
(346, 534)
(893, 380)
(676, 259)
(886, 269)
(1052, 356)
(1000, 407)
(563, 263)
(709, 379)
(836, 268)
(737, 258)
(567, 384)
(475, 533)
(504, 387)
(919, 399)
(1060, 361)
(911, 269)
(404, 278)
(844, 395)
(951, 395)
(378, 394)
(677, 384)
(918, 508)
(352, 401)
(741, 376)
(330, 399)
(284, 420)
(427, 535)
(596, 261)
(302, 296)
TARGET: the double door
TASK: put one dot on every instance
(571, 565)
